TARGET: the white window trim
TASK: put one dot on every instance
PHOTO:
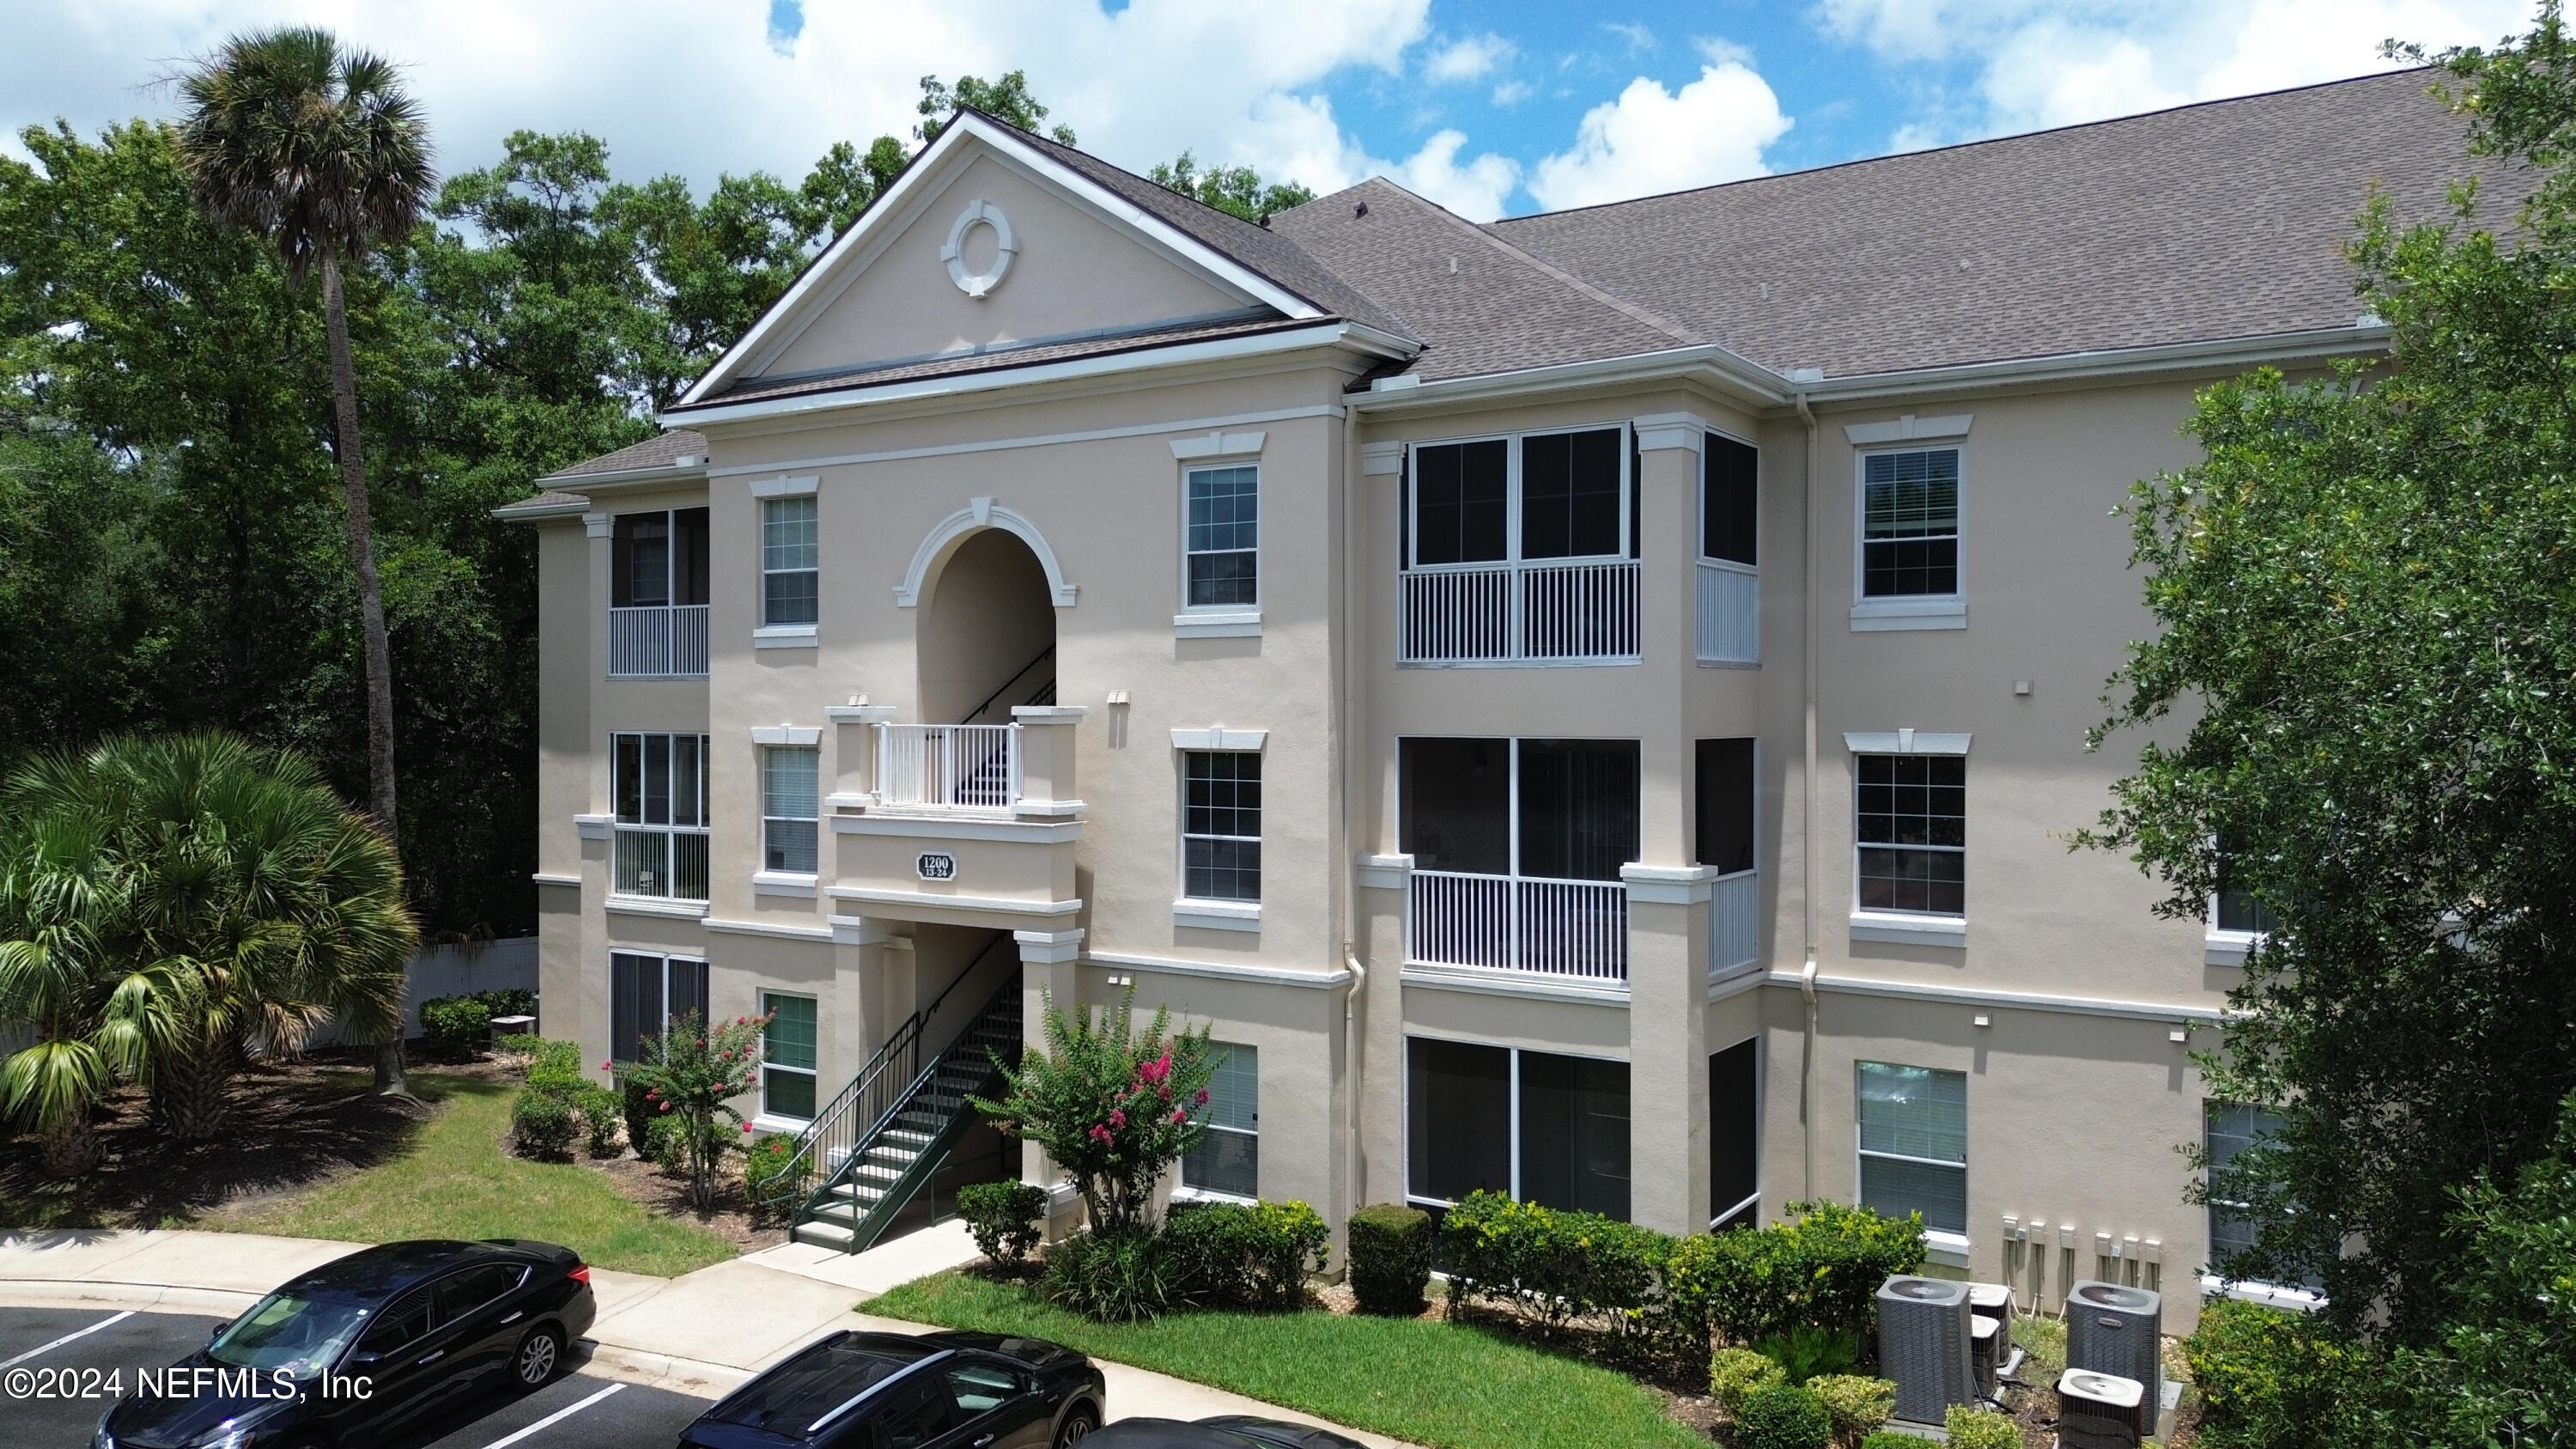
(1942, 1244)
(1215, 915)
(2221, 946)
(1900, 929)
(1411, 529)
(1404, 1114)
(784, 883)
(785, 487)
(764, 880)
(783, 636)
(1221, 621)
(2295, 1300)
(1909, 429)
(1182, 1191)
(1903, 928)
(1905, 611)
(1218, 737)
(668, 959)
(767, 1066)
(1204, 912)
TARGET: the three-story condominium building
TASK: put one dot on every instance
(1591, 705)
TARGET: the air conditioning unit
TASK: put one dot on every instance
(1995, 1301)
(1924, 1345)
(1986, 1355)
(2101, 1411)
(2112, 1328)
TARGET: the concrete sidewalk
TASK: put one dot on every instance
(702, 1333)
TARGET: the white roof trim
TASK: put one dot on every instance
(1904, 742)
(926, 172)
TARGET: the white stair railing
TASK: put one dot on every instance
(1555, 927)
(949, 767)
(1582, 612)
(1730, 613)
(657, 641)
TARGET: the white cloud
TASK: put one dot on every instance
(695, 86)
(1512, 92)
(2044, 63)
(1472, 58)
(1476, 190)
(1651, 140)
(1637, 36)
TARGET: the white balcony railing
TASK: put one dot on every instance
(660, 641)
(1735, 922)
(1730, 613)
(950, 767)
(1573, 928)
(660, 860)
(1555, 613)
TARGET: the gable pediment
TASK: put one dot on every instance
(985, 246)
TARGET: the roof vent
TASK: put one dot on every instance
(1360, 210)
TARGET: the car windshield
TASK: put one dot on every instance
(289, 1333)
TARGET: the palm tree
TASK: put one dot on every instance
(321, 151)
(262, 905)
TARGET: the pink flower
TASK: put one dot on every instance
(1201, 1098)
(608, 1066)
(1117, 1118)
(1155, 1070)
(1166, 1093)
(666, 1106)
(1099, 1133)
(1179, 1117)
(746, 1127)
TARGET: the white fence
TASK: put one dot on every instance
(1735, 922)
(665, 641)
(1730, 613)
(1520, 613)
(973, 767)
(1556, 927)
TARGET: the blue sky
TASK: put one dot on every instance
(1489, 106)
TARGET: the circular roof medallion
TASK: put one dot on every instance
(979, 212)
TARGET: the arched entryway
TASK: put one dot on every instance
(986, 638)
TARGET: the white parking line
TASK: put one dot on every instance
(44, 1348)
(550, 1420)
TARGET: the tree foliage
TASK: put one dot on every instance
(1235, 189)
(1113, 1107)
(691, 1075)
(2365, 599)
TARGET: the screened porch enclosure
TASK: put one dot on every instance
(1517, 847)
(657, 595)
(1521, 550)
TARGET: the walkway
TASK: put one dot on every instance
(701, 1334)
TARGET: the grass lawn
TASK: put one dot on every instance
(1439, 1384)
(452, 1179)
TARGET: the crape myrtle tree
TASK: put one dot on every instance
(2365, 600)
(1113, 1107)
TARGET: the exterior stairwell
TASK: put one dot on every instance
(883, 1138)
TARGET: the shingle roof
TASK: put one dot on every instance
(2224, 219)
(542, 503)
(656, 452)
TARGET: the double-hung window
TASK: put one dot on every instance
(1521, 549)
(788, 814)
(1909, 539)
(1228, 1158)
(1911, 828)
(1221, 553)
(789, 573)
(787, 1056)
(1545, 1128)
(1221, 825)
(1914, 1143)
(657, 594)
(1517, 848)
(2234, 1225)
(659, 785)
(649, 992)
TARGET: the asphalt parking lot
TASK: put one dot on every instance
(581, 1410)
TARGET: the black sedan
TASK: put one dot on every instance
(1226, 1431)
(357, 1348)
(857, 1390)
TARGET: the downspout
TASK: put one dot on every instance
(1807, 830)
(1351, 1072)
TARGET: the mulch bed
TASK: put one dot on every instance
(294, 1123)
(667, 1194)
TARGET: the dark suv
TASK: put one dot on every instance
(897, 1391)
(355, 1349)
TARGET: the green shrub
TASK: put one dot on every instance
(764, 1162)
(1251, 1255)
(1971, 1428)
(1807, 1351)
(1119, 1277)
(1734, 1373)
(635, 1099)
(1556, 1265)
(555, 1065)
(601, 1119)
(1003, 1216)
(456, 1026)
(519, 1044)
(2266, 1376)
(1857, 1404)
(1390, 1257)
(508, 1001)
(1784, 1416)
(665, 1143)
(542, 1125)
(1821, 1268)
(1893, 1439)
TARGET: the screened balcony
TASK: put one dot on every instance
(1724, 782)
(658, 783)
(657, 595)
(1517, 846)
(1520, 550)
